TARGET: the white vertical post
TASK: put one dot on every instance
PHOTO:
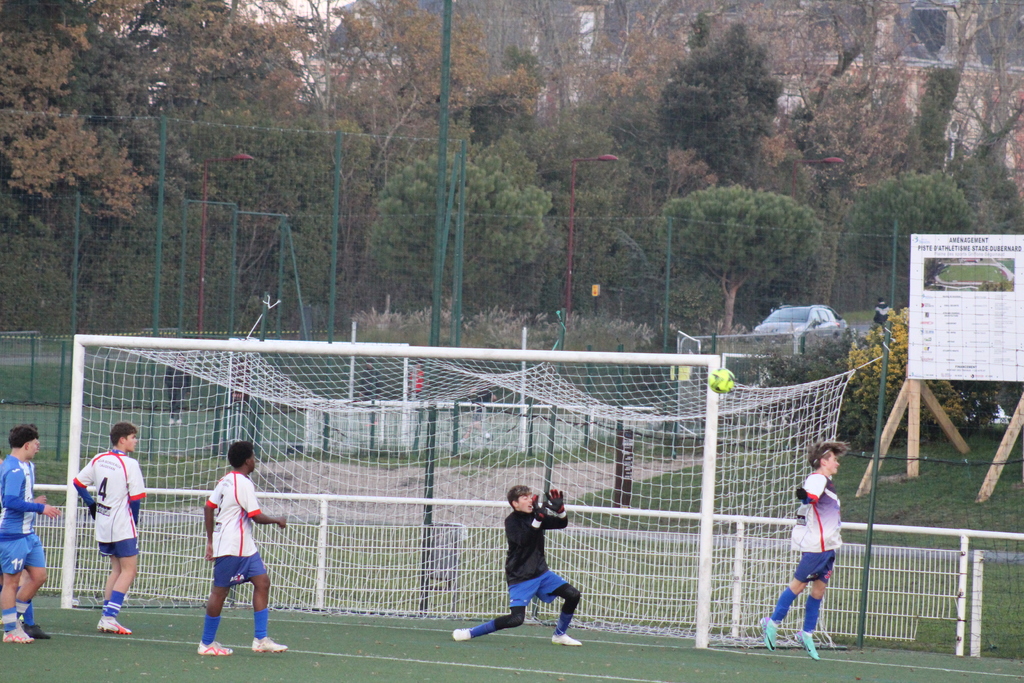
(961, 596)
(350, 414)
(406, 410)
(352, 367)
(321, 558)
(67, 570)
(737, 580)
(523, 426)
(976, 601)
(707, 509)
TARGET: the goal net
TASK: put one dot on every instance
(392, 464)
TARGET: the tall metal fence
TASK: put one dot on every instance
(230, 219)
(35, 384)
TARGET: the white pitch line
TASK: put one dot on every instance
(734, 651)
(870, 663)
(525, 636)
(404, 660)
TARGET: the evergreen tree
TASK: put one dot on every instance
(720, 102)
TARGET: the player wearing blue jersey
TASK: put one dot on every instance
(526, 569)
(229, 514)
(119, 490)
(817, 536)
(21, 551)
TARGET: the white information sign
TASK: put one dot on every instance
(966, 307)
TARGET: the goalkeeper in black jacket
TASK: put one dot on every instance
(526, 570)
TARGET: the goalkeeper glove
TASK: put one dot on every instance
(801, 494)
(92, 510)
(538, 513)
(555, 502)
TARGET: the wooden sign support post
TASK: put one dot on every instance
(1005, 446)
(911, 394)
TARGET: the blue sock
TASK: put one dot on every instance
(261, 618)
(23, 609)
(30, 614)
(10, 619)
(483, 629)
(112, 607)
(563, 623)
(783, 605)
(811, 614)
(210, 625)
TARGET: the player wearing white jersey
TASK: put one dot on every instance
(21, 551)
(816, 536)
(229, 515)
(120, 490)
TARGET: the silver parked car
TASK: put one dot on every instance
(798, 319)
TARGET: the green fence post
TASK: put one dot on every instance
(460, 245)
(181, 268)
(335, 220)
(456, 435)
(232, 291)
(280, 277)
(76, 257)
(32, 340)
(529, 428)
(589, 384)
(440, 235)
(428, 510)
(159, 256)
(668, 283)
(60, 396)
(879, 416)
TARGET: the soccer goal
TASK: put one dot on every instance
(392, 462)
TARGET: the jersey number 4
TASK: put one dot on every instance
(102, 490)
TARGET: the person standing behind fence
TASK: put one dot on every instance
(477, 415)
(881, 312)
(120, 490)
(177, 385)
(416, 380)
(20, 547)
(369, 388)
(816, 535)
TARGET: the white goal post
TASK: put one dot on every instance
(392, 462)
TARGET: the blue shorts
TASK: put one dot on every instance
(20, 553)
(129, 547)
(542, 587)
(231, 570)
(815, 567)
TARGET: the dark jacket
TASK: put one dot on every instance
(176, 379)
(525, 559)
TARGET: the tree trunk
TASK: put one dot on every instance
(729, 289)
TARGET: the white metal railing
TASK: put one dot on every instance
(739, 539)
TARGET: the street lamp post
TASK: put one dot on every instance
(826, 160)
(572, 211)
(202, 233)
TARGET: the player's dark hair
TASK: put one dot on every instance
(21, 435)
(121, 430)
(239, 452)
(516, 491)
(820, 450)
